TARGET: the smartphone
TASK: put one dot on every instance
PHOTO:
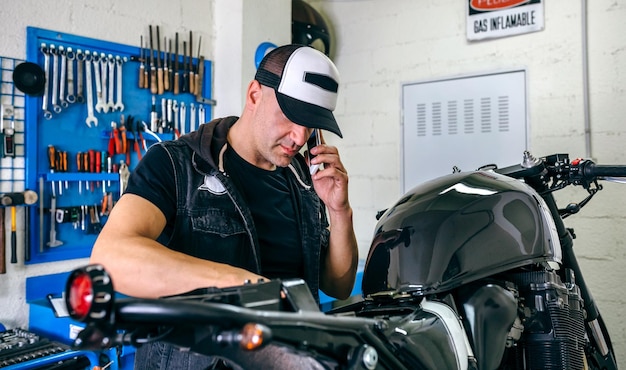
(314, 140)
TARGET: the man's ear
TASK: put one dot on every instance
(254, 92)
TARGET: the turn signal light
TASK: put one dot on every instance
(89, 294)
(254, 336)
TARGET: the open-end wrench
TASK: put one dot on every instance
(70, 98)
(183, 118)
(192, 117)
(96, 68)
(55, 79)
(44, 105)
(62, 81)
(105, 85)
(90, 117)
(111, 87)
(118, 69)
(175, 113)
(80, 67)
(201, 114)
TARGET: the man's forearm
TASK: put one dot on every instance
(339, 270)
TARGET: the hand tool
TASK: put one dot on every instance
(192, 75)
(124, 174)
(185, 74)
(183, 118)
(53, 242)
(118, 66)
(114, 140)
(201, 119)
(63, 157)
(44, 105)
(8, 134)
(170, 75)
(167, 116)
(95, 61)
(3, 262)
(166, 72)
(123, 135)
(153, 74)
(52, 163)
(79, 168)
(153, 115)
(71, 56)
(41, 184)
(13, 236)
(176, 73)
(26, 234)
(175, 112)
(142, 66)
(27, 197)
(192, 117)
(80, 67)
(90, 116)
(200, 72)
(63, 79)
(111, 66)
(92, 166)
(102, 97)
(55, 79)
(159, 66)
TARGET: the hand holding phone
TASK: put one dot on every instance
(314, 140)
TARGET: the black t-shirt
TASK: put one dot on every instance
(266, 193)
(271, 203)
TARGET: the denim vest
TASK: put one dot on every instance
(213, 222)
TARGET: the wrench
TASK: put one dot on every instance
(175, 113)
(90, 117)
(71, 98)
(63, 57)
(110, 89)
(192, 117)
(80, 66)
(44, 105)
(118, 66)
(96, 68)
(55, 79)
(183, 118)
(104, 86)
(201, 114)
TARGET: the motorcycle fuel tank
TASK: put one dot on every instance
(457, 229)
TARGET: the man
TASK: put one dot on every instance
(234, 200)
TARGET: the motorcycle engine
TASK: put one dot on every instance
(553, 319)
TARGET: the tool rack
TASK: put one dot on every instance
(68, 131)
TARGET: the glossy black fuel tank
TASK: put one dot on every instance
(456, 229)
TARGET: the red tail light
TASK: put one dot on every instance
(89, 294)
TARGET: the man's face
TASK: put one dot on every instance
(277, 139)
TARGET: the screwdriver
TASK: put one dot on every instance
(142, 66)
(79, 166)
(52, 162)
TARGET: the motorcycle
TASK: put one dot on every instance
(472, 270)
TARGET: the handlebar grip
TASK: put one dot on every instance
(593, 170)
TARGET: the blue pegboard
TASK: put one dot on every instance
(67, 131)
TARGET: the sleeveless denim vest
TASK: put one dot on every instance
(214, 223)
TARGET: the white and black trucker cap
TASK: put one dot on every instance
(306, 83)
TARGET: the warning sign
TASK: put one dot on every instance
(488, 19)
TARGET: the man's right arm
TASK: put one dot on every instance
(142, 267)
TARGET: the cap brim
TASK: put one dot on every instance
(308, 115)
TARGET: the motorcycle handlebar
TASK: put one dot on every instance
(592, 170)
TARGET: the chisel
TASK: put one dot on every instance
(176, 74)
(159, 66)
(153, 77)
(142, 66)
(192, 78)
(166, 72)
